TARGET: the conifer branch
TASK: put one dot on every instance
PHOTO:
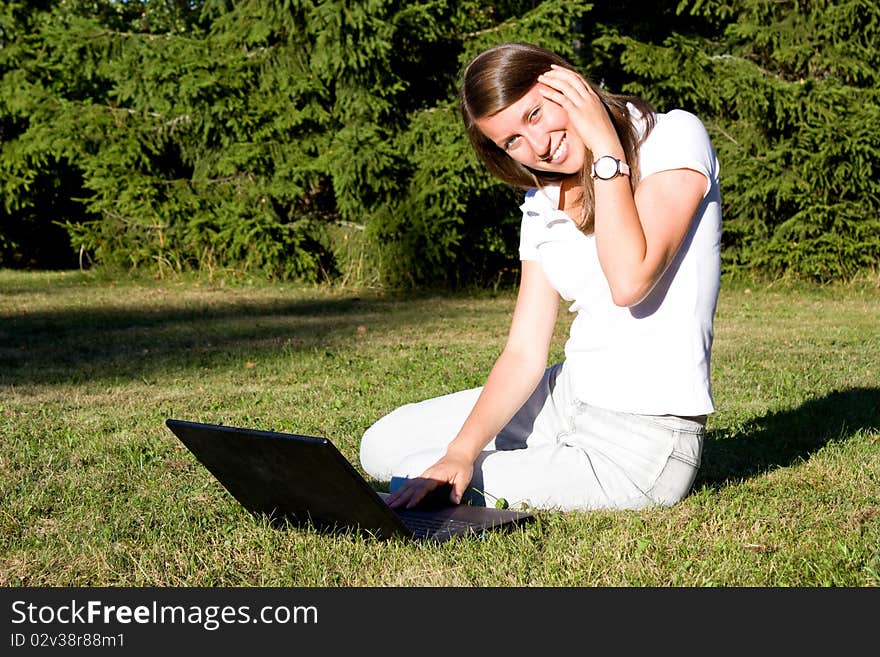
(491, 30)
(349, 224)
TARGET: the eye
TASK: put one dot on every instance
(535, 114)
(512, 143)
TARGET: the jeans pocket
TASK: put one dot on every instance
(687, 437)
(678, 475)
(674, 482)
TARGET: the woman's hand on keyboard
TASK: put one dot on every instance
(451, 469)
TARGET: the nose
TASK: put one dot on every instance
(539, 140)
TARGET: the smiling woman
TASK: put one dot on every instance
(533, 132)
(508, 105)
(622, 218)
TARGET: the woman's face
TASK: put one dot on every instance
(537, 133)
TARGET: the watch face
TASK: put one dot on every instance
(606, 167)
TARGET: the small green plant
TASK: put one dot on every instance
(500, 502)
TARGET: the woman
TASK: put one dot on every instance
(623, 220)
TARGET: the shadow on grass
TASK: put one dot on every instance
(94, 344)
(784, 438)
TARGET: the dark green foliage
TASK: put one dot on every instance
(450, 222)
(293, 138)
(321, 140)
(791, 96)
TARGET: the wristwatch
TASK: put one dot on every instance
(608, 167)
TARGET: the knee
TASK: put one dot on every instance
(384, 444)
(374, 453)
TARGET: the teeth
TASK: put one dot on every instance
(558, 150)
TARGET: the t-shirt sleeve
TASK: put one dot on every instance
(528, 245)
(679, 141)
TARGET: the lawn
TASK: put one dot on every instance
(97, 492)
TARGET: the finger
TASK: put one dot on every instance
(568, 82)
(412, 492)
(402, 498)
(557, 97)
(569, 74)
(418, 493)
(458, 490)
(568, 99)
(564, 74)
(575, 92)
(400, 495)
(393, 498)
(574, 108)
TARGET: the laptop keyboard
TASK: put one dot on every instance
(431, 526)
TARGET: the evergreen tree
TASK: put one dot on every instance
(293, 137)
(450, 222)
(322, 139)
(789, 92)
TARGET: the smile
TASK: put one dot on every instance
(559, 153)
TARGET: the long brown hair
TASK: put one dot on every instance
(502, 75)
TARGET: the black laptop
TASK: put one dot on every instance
(307, 481)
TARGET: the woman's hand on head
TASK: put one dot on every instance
(451, 469)
(586, 112)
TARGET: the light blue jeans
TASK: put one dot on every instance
(556, 453)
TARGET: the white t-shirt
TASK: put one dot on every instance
(654, 357)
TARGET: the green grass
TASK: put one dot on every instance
(96, 491)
